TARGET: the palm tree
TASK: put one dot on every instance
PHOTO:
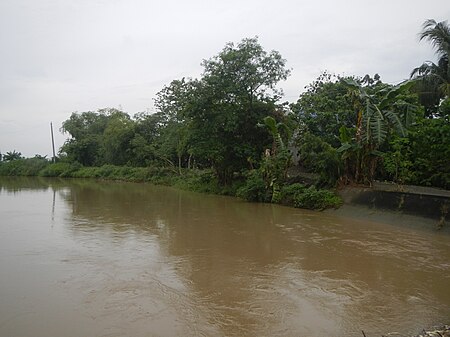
(10, 156)
(433, 79)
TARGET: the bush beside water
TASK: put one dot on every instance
(23, 167)
(312, 198)
(297, 195)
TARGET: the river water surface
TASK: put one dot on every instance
(84, 258)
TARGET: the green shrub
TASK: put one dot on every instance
(140, 174)
(23, 167)
(254, 188)
(289, 192)
(161, 175)
(54, 170)
(60, 169)
(73, 167)
(396, 162)
(106, 171)
(32, 166)
(85, 172)
(311, 198)
(423, 157)
(204, 181)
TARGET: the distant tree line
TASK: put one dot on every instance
(231, 120)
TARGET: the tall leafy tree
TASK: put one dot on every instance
(239, 90)
(97, 138)
(117, 137)
(324, 107)
(173, 102)
(86, 133)
(147, 131)
(433, 79)
(221, 111)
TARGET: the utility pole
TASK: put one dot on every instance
(53, 143)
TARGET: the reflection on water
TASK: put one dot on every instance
(118, 259)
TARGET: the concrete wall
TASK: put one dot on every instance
(432, 205)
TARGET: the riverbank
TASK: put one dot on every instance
(394, 203)
(249, 187)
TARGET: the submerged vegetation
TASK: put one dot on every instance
(228, 132)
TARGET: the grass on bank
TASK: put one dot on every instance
(251, 187)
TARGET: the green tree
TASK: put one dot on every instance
(146, 133)
(239, 90)
(173, 103)
(98, 138)
(173, 100)
(117, 138)
(86, 132)
(433, 79)
(324, 107)
(172, 145)
(221, 111)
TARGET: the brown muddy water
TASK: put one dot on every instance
(85, 258)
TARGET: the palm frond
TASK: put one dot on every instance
(445, 88)
(438, 34)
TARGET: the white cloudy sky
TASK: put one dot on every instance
(60, 56)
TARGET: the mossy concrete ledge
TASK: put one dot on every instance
(426, 202)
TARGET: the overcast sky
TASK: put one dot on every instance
(61, 56)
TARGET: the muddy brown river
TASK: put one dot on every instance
(84, 258)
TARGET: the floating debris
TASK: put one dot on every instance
(437, 331)
(441, 331)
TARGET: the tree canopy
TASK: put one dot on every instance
(222, 109)
(342, 129)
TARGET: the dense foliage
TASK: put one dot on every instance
(423, 157)
(227, 131)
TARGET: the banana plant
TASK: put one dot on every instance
(275, 130)
(375, 121)
(276, 163)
